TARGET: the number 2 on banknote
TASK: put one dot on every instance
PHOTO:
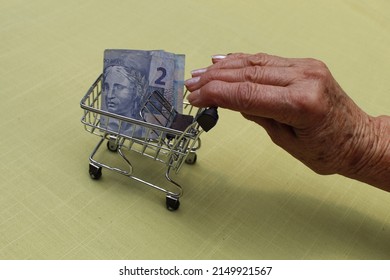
(159, 80)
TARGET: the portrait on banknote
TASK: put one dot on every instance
(131, 78)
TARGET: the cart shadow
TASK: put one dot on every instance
(257, 217)
(336, 231)
(222, 212)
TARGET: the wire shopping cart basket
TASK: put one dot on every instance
(171, 140)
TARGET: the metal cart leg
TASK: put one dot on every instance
(95, 171)
(96, 164)
(172, 199)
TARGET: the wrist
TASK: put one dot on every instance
(368, 158)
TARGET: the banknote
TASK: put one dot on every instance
(141, 85)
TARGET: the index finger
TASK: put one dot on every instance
(249, 98)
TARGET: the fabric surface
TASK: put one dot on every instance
(245, 198)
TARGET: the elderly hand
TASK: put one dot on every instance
(304, 111)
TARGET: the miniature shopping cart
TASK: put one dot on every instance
(171, 139)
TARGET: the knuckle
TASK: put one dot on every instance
(245, 97)
(310, 107)
(316, 69)
(252, 74)
(240, 97)
(257, 59)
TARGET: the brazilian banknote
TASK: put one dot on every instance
(141, 85)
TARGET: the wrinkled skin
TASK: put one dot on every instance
(304, 111)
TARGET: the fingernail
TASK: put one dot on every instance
(198, 72)
(218, 56)
(192, 81)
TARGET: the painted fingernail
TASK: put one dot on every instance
(198, 72)
(218, 56)
(192, 81)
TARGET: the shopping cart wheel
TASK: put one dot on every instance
(173, 203)
(191, 158)
(95, 172)
(112, 146)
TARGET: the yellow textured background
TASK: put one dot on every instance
(244, 199)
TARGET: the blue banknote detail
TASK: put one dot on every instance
(131, 78)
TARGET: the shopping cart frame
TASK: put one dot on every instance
(169, 146)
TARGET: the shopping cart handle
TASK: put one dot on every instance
(208, 118)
